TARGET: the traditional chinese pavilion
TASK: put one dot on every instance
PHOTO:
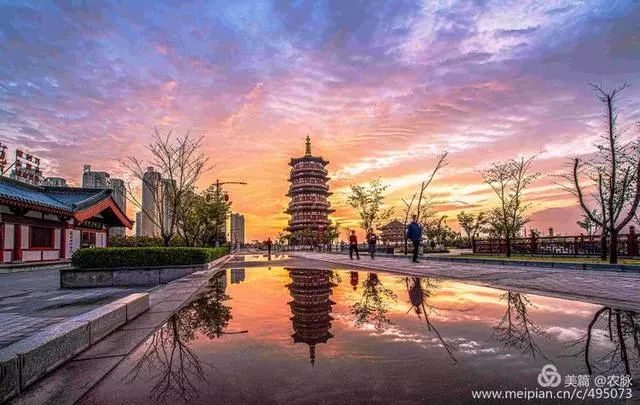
(309, 207)
(311, 307)
(40, 223)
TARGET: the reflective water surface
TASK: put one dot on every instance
(315, 336)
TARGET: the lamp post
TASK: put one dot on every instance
(226, 198)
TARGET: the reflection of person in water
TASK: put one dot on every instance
(621, 328)
(516, 328)
(311, 307)
(354, 280)
(169, 359)
(373, 305)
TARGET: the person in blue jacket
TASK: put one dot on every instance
(414, 233)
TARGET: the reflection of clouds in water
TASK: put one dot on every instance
(565, 334)
(598, 336)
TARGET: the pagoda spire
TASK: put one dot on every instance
(308, 147)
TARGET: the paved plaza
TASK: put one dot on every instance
(31, 301)
(602, 287)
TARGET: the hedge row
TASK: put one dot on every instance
(113, 257)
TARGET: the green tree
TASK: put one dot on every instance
(472, 224)
(369, 202)
(200, 216)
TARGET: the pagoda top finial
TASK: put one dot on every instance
(308, 148)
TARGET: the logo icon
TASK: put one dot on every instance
(549, 376)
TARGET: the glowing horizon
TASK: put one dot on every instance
(381, 87)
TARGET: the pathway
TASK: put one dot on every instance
(31, 301)
(602, 287)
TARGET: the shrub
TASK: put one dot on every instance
(113, 257)
(142, 241)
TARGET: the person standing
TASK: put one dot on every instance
(372, 239)
(353, 245)
(414, 233)
(269, 244)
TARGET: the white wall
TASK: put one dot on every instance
(101, 239)
(50, 255)
(56, 238)
(25, 236)
(31, 255)
(8, 236)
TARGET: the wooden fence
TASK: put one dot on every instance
(581, 245)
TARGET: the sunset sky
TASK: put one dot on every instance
(381, 88)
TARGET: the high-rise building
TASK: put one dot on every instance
(120, 197)
(151, 180)
(236, 229)
(309, 208)
(167, 208)
(91, 179)
(139, 223)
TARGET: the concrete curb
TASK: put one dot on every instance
(131, 276)
(26, 361)
(617, 268)
(26, 267)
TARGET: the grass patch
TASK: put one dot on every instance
(563, 259)
(115, 257)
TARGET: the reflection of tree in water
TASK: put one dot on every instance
(168, 360)
(420, 290)
(622, 329)
(516, 329)
(372, 307)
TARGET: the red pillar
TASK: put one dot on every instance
(2, 242)
(63, 244)
(17, 243)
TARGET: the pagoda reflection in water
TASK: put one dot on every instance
(311, 307)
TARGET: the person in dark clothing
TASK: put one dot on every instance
(414, 233)
(353, 245)
(269, 244)
(372, 239)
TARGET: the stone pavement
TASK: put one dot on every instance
(31, 301)
(71, 381)
(621, 290)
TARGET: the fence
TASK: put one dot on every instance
(581, 245)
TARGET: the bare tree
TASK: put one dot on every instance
(614, 173)
(423, 202)
(179, 164)
(509, 180)
(422, 195)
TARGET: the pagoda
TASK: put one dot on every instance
(311, 307)
(309, 208)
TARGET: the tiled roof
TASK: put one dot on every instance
(59, 199)
(394, 223)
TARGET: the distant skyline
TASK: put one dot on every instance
(381, 88)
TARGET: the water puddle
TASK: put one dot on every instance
(290, 335)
